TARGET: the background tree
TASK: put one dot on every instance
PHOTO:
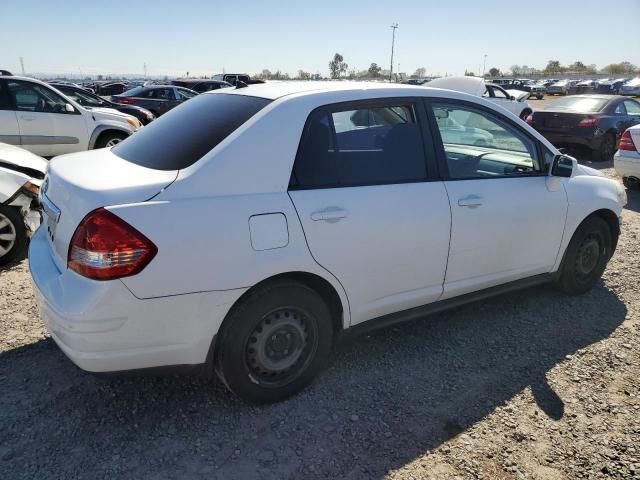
(620, 68)
(302, 75)
(337, 66)
(420, 73)
(468, 73)
(516, 70)
(494, 72)
(553, 66)
(374, 70)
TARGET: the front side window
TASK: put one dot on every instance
(184, 94)
(5, 104)
(370, 145)
(31, 97)
(478, 144)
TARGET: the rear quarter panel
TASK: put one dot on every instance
(204, 244)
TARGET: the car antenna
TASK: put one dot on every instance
(241, 84)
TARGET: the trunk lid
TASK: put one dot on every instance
(78, 183)
(559, 121)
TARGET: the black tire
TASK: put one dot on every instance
(539, 97)
(607, 148)
(629, 184)
(274, 342)
(109, 139)
(13, 235)
(525, 113)
(586, 257)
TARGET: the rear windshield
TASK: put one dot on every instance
(578, 104)
(181, 137)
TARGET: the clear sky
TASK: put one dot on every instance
(205, 37)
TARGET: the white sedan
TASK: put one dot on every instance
(627, 159)
(248, 229)
(512, 100)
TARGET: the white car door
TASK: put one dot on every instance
(9, 131)
(500, 97)
(508, 215)
(370, 213)
(46, 127)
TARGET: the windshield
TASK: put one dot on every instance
(188, 132)
(84, 99)
(579, 104)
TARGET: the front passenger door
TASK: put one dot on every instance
(507, 218)
(371, 213)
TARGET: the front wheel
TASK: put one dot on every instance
(13, 235)
(110, 139)
(586, 257)
(274, 342)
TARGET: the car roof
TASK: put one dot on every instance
(275, 89)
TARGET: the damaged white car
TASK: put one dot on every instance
(21, 175)
(511, 100)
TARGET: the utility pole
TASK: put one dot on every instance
(484, 64)
(393, 41)
(22, 65)
(144, 67)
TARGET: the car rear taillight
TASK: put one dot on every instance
(589, 122)
(529, 119)
(105, 247)
(626, 142)
(125, 100)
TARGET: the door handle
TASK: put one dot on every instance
(471, 201)
(27, 118)
(329, 214)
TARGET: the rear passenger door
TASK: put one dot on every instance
(371, 213)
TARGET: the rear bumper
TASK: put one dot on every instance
(591, 141)
(102, 327)
(627, 164)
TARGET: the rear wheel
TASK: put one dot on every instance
(606, 150)
(13, 235)
(274, 342)
(110, 139)
(586, 257)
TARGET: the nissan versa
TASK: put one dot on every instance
(248, 229)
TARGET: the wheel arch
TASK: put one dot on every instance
(101, 130)
(314, 281)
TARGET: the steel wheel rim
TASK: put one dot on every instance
(113, 142)
(588, 257)
(281, 346)
(8, 235)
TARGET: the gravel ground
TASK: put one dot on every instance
(530, 385)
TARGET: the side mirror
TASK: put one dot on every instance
(69, 108)
(564, 166)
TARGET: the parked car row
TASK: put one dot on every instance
(553, 86)
(41, 119)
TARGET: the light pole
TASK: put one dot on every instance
(484, 64)
(393, 41)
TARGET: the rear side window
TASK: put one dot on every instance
(181, 137)
(368, 145)
(5, 104)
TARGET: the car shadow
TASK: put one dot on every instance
(386, 399)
